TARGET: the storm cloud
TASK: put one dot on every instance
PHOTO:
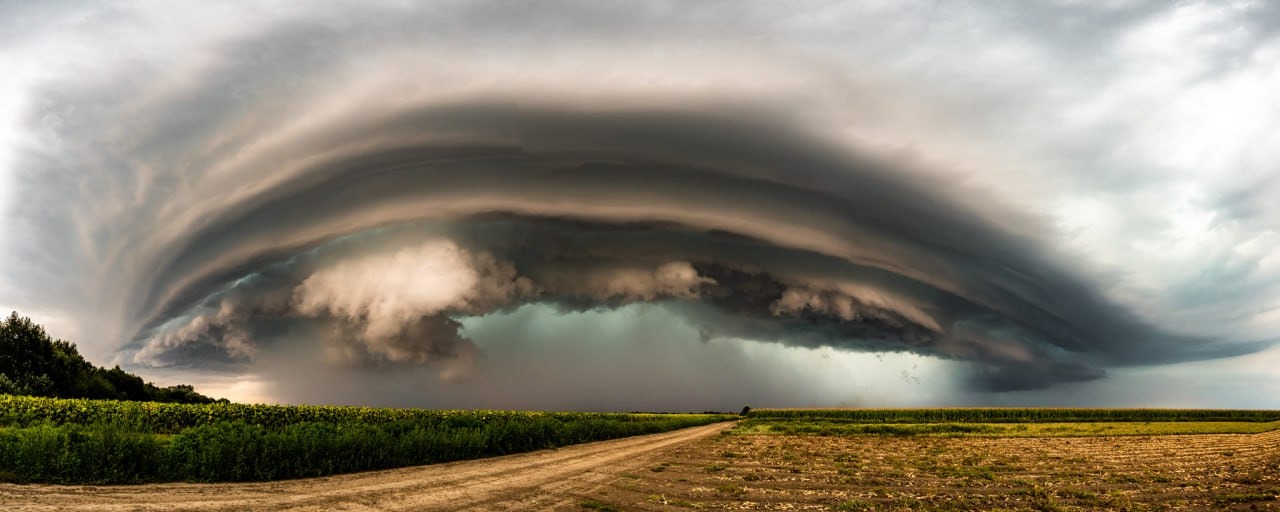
(361, 185)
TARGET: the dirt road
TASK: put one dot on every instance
(544, 480)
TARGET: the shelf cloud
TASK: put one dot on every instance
(369, 182)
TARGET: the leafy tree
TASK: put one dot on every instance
(32, 363)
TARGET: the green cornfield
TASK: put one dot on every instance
(170, 418)
(107, 441)
(1014, 415)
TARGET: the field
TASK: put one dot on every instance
(1014, 415)
(776, 462)
(105, 441)
(1009, 422)
(839, 460)
(853, 473)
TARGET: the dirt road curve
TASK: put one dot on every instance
(544, 480)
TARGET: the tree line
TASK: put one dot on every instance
(33, 363)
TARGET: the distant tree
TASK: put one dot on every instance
(745, 409)
(26, 354)
(32, 363)
(128, 385)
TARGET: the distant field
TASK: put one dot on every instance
(106, 441)
(1008, 422)
(1074, 429)
(1015, 415)
(969, 460)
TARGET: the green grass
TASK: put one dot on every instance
(598, 505)
(101, 441)
(854, 506)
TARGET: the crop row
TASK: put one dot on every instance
(170, 418)
(1014, 415)
(79, 441)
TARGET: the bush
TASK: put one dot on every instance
(76, 454)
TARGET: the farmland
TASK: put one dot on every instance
(106, 441)
(774, 461)
(882, 460)
(934, 473)
(1015, 415)
(1023, 422)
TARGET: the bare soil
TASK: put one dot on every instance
(778, 472)
(548, 479)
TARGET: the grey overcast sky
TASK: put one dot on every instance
(652, 205)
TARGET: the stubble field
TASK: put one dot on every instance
(751, 471)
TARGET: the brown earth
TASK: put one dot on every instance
(695, 469)
(774, 472)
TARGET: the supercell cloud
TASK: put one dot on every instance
(501, 204)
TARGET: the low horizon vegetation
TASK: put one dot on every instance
(1007, 422)
(1015, 415)
(1055, 429)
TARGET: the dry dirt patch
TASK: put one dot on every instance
(770, 472)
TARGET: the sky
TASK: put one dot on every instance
(652, 205)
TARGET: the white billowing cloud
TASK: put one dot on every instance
(386, 293)
(394, 307)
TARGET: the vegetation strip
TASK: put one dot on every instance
(1010, 422)
(1016, 415)
(104, 441)
(1070, 429)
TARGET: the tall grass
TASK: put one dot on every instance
(80, 454)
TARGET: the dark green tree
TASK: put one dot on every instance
(33, 363)
(26, 355)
